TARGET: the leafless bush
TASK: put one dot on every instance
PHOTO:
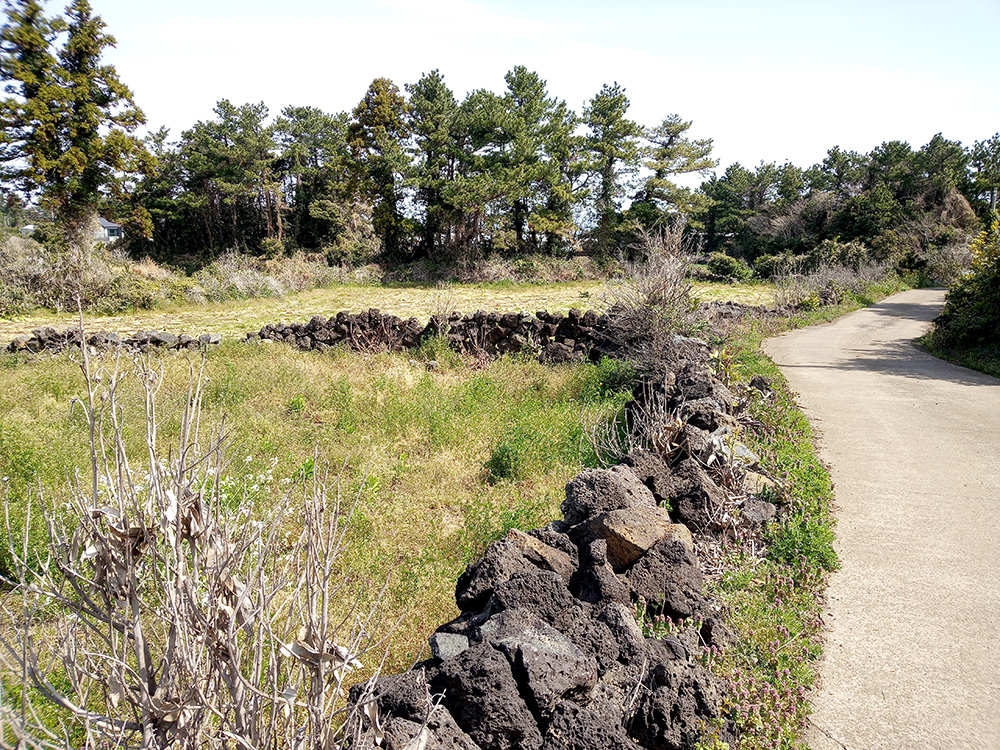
(826, 285)
(645, 424)
(165, 613)
(652, 303)
(32, 275)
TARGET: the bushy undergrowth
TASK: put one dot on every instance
(833, 285)
(729, 268)
(35, 276)
(968, 328)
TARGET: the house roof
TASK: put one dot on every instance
(105, 224)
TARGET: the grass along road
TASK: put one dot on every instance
(421, 301)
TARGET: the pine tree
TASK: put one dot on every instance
(66, 130)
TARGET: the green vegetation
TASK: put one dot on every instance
(968, 329)
(447, 459)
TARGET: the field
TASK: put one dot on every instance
(236, 318)
(442, 458)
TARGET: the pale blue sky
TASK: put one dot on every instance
(769, 81)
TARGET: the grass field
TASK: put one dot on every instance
(446, 459)
(238, 317)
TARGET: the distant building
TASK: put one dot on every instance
(27, 230)
(108, 232)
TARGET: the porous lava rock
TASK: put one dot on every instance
(669, 579)
(596, 491)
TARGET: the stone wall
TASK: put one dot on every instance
(552, 336)
(48, 339)
(549, 651)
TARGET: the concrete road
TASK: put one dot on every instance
(913, 621)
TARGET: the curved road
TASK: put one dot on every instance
(913, 617)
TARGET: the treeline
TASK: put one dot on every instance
(893, 203)
(415, 173)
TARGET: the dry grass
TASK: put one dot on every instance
(238, 317)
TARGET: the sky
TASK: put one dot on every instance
(770, 81)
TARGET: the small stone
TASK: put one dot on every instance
(756, 483)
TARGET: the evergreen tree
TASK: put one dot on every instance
(314, 166)
(66, 130)
(984, 159)
(669, 152)
(433, 113)
(377, 135)
(613, 149)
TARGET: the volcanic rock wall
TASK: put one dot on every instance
(554, 336)
(552, 649)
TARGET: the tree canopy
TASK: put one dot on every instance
(67, 124)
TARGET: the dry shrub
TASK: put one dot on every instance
(827, 284)
(167, 613)
(652, 302)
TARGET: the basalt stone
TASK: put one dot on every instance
(653, 472)
(479, 689)
(542, 592)
(694, 382)
(697, 500)
(758, 512)
(631, 532)
(554, 535)
(19, 344)
(515, 553)
(620, 621)
(404, 706)
(404, 695)
(447, 645)
(574, 727)
(673, 716)
(668, 579)
(549, 668)
(704, 413)
(595, 581)
(715, 632)
(439, 732)
(596, 491)
(164, 339)
(556, 353)
(696, 443)
(595, 639)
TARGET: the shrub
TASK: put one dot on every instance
(652, 303)
(168, 612)
(727, 267)
(971, 315)
(853, 255)
(772, 266)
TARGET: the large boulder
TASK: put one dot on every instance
(478, 689)
(653, 472)
(697, 499)
(595, 491)
(515, 553)
(574, 727)
(631, 532)
(669, 579)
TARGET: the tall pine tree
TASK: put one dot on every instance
(66, 128)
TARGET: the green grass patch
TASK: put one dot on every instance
(444, 459)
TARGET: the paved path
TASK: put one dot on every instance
(913, 621)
